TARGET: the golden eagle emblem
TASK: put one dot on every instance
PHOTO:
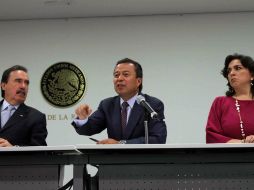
(63, 84)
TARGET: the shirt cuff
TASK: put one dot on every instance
(80, 122)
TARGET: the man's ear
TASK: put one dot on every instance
(3, 85)
(140, 81)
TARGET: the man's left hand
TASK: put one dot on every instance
(108, 141)
(5, 143)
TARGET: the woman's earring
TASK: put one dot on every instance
(251, 82)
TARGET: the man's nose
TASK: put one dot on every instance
(23, 85)
(120, 77)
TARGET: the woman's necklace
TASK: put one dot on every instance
(237, 105)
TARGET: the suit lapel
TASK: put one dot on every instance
(134, 118)
(18, 115)
(1, 103)
(116, 118)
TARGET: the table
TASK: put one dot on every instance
(173, 166)
(35, 168)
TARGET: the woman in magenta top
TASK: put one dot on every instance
(231, 117)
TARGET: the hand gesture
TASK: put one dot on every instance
(83, 111)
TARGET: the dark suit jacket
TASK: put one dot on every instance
(26, 127)
(108, 116)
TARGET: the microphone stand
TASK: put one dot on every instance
(146, 126)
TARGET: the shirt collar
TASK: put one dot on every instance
(131, 101)
(6, 104)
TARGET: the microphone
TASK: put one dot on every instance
(141, 100)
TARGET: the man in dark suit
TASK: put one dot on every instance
(25, 126)
(127, 81)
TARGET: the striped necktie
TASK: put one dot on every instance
(124, 114)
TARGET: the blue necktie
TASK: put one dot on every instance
(6, 114)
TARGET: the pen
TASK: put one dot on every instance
(95, 140)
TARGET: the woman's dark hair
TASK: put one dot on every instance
(6, 74)
(138, 69)
(246, 61)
